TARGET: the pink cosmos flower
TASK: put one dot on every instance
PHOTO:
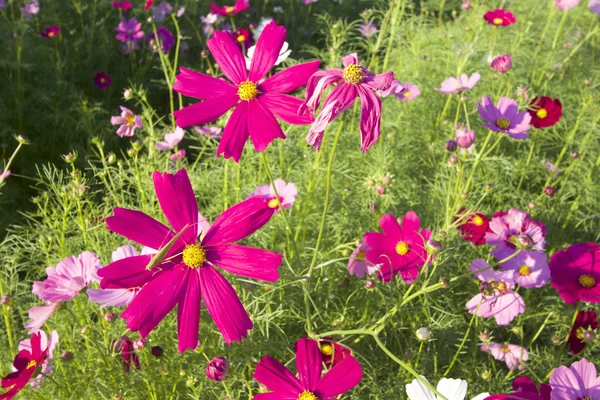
(148, 4)
(125, 346)
(465, 5)
(565, 4)
(409, 93)
(453, 85)
(400, 249)
(178, 155)
(396, 88)
(576, 273)
(51, 32)
(358, 265)
(525, 389)
(310, 385)
(594, 5)
(130, 32)
(499, 17)
(530, 269)
(502, 63)
(46, 345)
(584, 321)
(102, 80)
(30, 9)
(580, 381)
(123, 5)
(213, 132)
(128, 121)
(256, 101)
(165, 37)
(353, 81)
(514, 229)
(171, 139)
(116, 297)
(465, 138)
(513, 355)
(161, 11)
(367, 29)
(186, 275)
(496, 299)
(225, 11)
(505, 118)
(287, 194)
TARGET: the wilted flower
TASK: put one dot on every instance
(217, 369)
(128, 120)
(125, 346)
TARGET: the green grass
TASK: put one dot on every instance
(55, 103)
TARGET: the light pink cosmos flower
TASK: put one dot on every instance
(505, 118)
(565, 4)
(594, 5)
(257, 102)
(502, 63)
(514, 229)
(287, 194)
(209, 131)
(465, 138)
(409, 93)
(465, 5)
(367, 29)
(128, 121)
(171, 139)
(353, 81)
(178, 155)
(513, 355)
(530, 268)
(38, 316)
(453, 85)
(46, 344)
(580, 381)
(358, 264)
(116, 297)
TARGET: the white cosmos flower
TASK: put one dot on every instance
(283, 54)
(452, 389)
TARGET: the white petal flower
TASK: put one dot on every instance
(452, 389)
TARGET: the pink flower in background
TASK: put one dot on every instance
(2, 4)
(161, 11)
(180, 12)
(256, 102)
(396, 88)
(499, 17)
(30, 9)
(225, 11)
(502, 63)
(358, 264)
(367, 29)
(50, 32)
(178, 155)
(353, 81)
(530, 269)
(4, 175)
(580, 381)
(594, 5)
(125, 346)
(505, 118)
(465, 5)
(308, 2)
(130, 33)
(208, 22)
(213, 132)
(565, 4)
(171, 140)
(584, 320)
(399, 249)
(123, 5)
(46, 345)
(128, 120)
(310, 385)
(464, 137)
(576, 273)
(287, 194)
(524, 389)
(165, 37)
(514, 229)
(454, 85)
(409, 93)
(513, 355)
(186, 274)
(115, 297)
(102, 80)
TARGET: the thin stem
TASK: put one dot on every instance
(563, 20)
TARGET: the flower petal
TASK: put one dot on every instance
(201, 86)
(315, 86)
(340, 379)
(139, 227)
(389, 226)
(127, 273)
(246, 261)
(262, 125)
(235, 134)
(370, 118)
(188, 312)
(267, 51)
(290, 78)
(285, 107)
(277, 378)
(228, 56)
(308, 363)
(205, 111)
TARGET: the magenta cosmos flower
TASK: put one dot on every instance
(165, 37)
(128, 120)
(46, 344)
(353, 81)
(310, 385)
(123, 5)
(579, 382)
(287, 194)
(399, 249)
(102, 80)
(116, 297)
(51, 32)
(225, 11)
(525, 389)
(256, 102)
(186, 276)
(584, 321)
(514, 229)
(358, 264)
(454, 85)
(513, 355)
(530, 269)
(565, 4)
(499, 17)
(502, 63)
(505, 118)
(409, 93)
(576, 273)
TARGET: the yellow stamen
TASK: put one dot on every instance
(241, 38)
(503, 123)
(353, 73)
(306, 395)
(273, 203)
(498, 21)
(580, 333)
(587, 281)
(406, 94)
(229, 9)
(502, 287)
(505, 349)
(402, 248)
(194, 255)
(31, 364)
(477, 220)
(541, 113)
(247, 91)
(360, 256)
(130, 119)
(102, 80)
(327, 349)
(524, 270)
(51, 34)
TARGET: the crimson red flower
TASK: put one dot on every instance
(332, 352)
(225, 11)
(123, 5)
(583, 321)
(474, 228)
(102, 80)
(148, 4)
(26, 364)
(499, 17)
(242, 37)
(525, 389)
(125, 346)
(545, 111)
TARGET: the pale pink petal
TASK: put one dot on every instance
(39, 315)
(111, 297)
(124, 252)
(350, 59)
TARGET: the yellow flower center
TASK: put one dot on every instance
(402, 248)
(477, 220)
(587, 281)
(580, 333)
(502, 287)
(306, 395)
(541, 113)
(327, 349)
(498, 21)
(229, 9)
(241, 38)
(360, 256)
(102, 80)
(130, 119)
(353, 73)
(247, 91)
(273, 203)
(194, 255)
(406, 94)
(31, 364)
(51, 34)
(505, 349)
(524, 270)
(503, 123)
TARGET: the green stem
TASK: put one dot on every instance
(563, 20)
(526, 170)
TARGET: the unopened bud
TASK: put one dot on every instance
(589, 336)
(387, 180)
(109, 317)
(484, 336)
(555, 340)
(532, 205)
(369, 284)
(22, 139)
(66, 356)
(5, 300)
(112, 158)
(485, 375)
(434, 246)
(423, 334)
(489, 187)
(450, 145)
(445, 282)
(370, 182)
(549, 191)
(453, 160)
(574, 154)
(70, 157)
(380, 190)
(217, 369)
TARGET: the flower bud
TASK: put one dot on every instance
(138, 344)
(109, 317)
(464, 195)
(22, 139)
(489, 187)
(450, 145)
(441, 234)
(589, 336)
(137, 145)
(66, 356)
(444, 282)
(423, 334)
(118, 396)
(387, 180)
(549, 191)
(217, 369)
(112, 158)
(5, 300)
(532, 205)
(157, 351)
(370, 182)
(555, 340)
(369, 284)
(517, 331)
(452, 160)
(525, 241)
(433, 246)
(485, 375)
(70, 157)
(85, 330)
(380, 190)
(131, 152)
(484, 336)
(127, 94)
(574, 154)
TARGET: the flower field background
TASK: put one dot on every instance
(486, 269)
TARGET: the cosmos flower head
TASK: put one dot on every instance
(502, 63)
(130, 31)
(515, 229)
(474, 227)
(287, 193)
(367, 29)
(575, 273)
(545, 112)
(102, 80)
(128, 122)
(465, 137)
(585, 320)
(332, 352)
(213, 132)
(530, 268)
(123, 5)
(30, 9)
(594, 5)
(525, 389)
(124, 346)
(243, 38)
(410, 92)
(454, 85)
(499, 17)
(225, 11)
(358, 264)
(171, 140)
(513, 355)
(51, 32)
(579, 381)
(165, 37)
(504, 118)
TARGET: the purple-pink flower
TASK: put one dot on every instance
(102, 80)
(594, 5)
(358, 264)
(367, 29)
(30, 9)
(502, 63)
(287, 193)
(579, 381)
(161, 11)
(47, 344)
(513, 355)
(165, 37)
(464, 82)
(51, 32)
(213, 132)
(178, 155)
(130, 32)
(465, 137)
(530, 268)
(505, 118)
(565, 4)
(514, 229)
(171, 139)
(128, 120)
(409, 93)
(353, 81)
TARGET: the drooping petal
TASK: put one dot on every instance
(201, 86)
(206, 111)
(188, 312)
(235, 134)
(228, 56)
(308, 363)
(246, 261)
(370, 119)
(267, 50)
(339, 379)
(39, 315)
(317, 129)
(291, 78)
(277, 377)
(139, 227)
(262, 125)
(315, 86)
(111, 297)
